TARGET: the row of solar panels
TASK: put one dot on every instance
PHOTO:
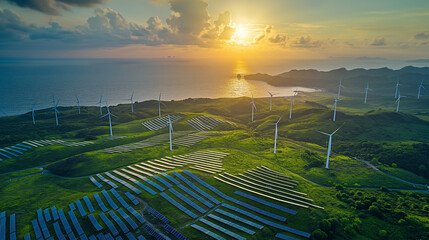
(12, 226)
(159, 123)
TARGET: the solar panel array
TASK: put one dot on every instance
(160, 123)
(21, 148)
(192, 139)
(203, 123)
(174, 232)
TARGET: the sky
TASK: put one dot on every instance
(280, 29)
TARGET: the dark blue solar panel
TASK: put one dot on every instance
(282, 236)
(132, 198)
(12, 227)
(72, 236)
(237, 218)
(42, 223)
(178, 205)
(36, 229)
(186, 200)
(109, 224)
(208, 196)
(127, 218)
(270, 204)
(88, 204)
(109, 199)
(130, 236)
(120, 199)
(170, 178)
(196, 196)
(54, 213)
(208, 232)
(80, 208)
(100, 236)
(167, 184)
(158, 215)
(118, 221)
(58, 232)
(136, 215)
(64, 221)
(221, 229)
(47, 215)
(75, 223)
(95, 222)
(174, 232)
(229, 223)
(100, 202)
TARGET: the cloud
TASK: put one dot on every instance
(262, 35)
(421, 36)
(378, 42)
(279, 38)
(189, 17)
(54, 7)
(12, 26)
(306, 42)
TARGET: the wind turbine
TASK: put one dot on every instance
(271, 99)
(55, 109)
(101, 107)
(366, 91)
(275, 135)
(159, 104)
(132, 102)
(110, 118)
(339, 89)
(32, 114)
(253, 106)
(397, 88)
(335, 106)
(398, 100)
(329, 145)
(170, 131)
(291, 103)
(420, 88)
(78, 103)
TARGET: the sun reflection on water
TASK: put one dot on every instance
(238, 87)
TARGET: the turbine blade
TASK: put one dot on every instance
(336, 130)
(104, 115)
(279, 119)
(323, 133)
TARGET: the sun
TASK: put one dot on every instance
(241, 32)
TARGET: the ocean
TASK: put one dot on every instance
(28, 82)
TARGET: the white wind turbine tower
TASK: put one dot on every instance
(335, 107)
(275, 135)
(32, 114)
(420, 89)
(329, 145)
(170, 131)
(397, 88)
(78, 104)
(110, 118)
(101, 107)
(159, 104)
(366, 91)
(132, 102)
(398, 100)
(339, 88)
(253, 106)
(55, 109)
(271, 99)
(291, 103)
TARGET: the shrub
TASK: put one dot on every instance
(374, 210)
(318, 234)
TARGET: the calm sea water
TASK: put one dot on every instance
(25, 82)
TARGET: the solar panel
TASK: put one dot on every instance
(269, 223)
(36, 229)
(170, 178)
(80, 208)
(178, 205)
(140, 237)
(100, 236)
(152, 232)
(118, 221)
(174, 232)
(54, 213)
(100, 202)
(72, 236)
(204, 184)
(75, 223)
(92, 237)
(64, 221)
(88, 204)
(282, 236)
(127, 218)
(270, 204)
(27, 237)
(108, 236)
(162, 181)
(130, 236)
(58, 231)
(240, 219)
(187, 200)
(132, 198)
(12, 236)
(196, 188)
(12, 227)
(47, 215)
(208, 232)
(234, 225)
(221, 229)
(120, 199)
(109, 224)
(42, 223)
(95, 222)
(109, 199)
(136, 215)
(118, 238)
(158, 215)
(196, 196)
